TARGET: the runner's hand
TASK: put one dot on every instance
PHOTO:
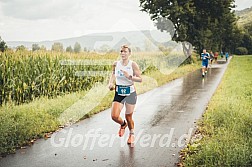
(125, 74)
(111, 86)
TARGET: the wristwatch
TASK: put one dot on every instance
(130, 77)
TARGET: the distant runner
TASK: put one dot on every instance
(216, 54)
(226, 55)
(211, 57)
(204, 57)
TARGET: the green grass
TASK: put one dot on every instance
(227, 124)
(23, 123)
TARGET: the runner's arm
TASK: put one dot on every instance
(137, 73)
(112, 77)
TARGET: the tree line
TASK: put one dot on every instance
(210, 24)
(57, 46)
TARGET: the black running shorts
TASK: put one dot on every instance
(131, 99)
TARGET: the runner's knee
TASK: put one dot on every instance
(128, 117)
(115, 117)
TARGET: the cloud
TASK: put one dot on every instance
(37, 20)
(47, 9)
(242, 4)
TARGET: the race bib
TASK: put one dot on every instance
(123, 90)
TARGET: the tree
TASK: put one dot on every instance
(43, 48)
(77, 47)
(3, 45)
(85, 49)
(241, 51)
(247, 38)
(247, 42)
(58, 47)
(21, 48)
(69, 49)
(137, 49)
(201, 23)
(35, 47)
(105, 48)
(180, 13)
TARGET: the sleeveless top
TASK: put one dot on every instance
(120, 78)
(204, 56)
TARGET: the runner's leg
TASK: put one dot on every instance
(129, 113)
(115, 112)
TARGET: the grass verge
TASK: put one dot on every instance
(224, 135)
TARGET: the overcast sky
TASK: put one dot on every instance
(38, 20)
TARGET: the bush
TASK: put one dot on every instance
(3, 45)
(241, 51)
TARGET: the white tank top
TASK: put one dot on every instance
(120, 78)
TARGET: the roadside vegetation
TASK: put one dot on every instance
(224, 135)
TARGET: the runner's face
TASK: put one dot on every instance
(124, 53)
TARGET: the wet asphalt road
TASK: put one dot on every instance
(164, 119)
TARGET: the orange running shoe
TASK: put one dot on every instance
(122, 129)
(131, 139)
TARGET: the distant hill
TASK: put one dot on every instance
(245, 16)
(114, 40)
(138, 39)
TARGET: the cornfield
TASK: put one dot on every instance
(27, 75)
